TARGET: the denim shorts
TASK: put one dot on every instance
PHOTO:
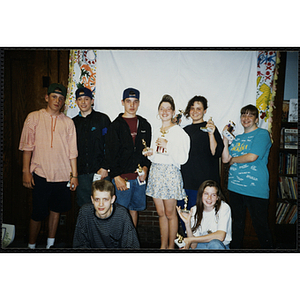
(54, 196)
(134, 198)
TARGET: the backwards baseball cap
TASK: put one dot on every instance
(83, 91)
(131, 93)
(57, 88)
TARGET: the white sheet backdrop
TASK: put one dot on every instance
(226, 78)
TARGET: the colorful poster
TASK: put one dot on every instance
(266, 66)
(82, 73)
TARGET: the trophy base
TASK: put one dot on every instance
(228, 135)
(206, 129)
(180, 245)
(96, 177)
(146, 151)
(185, 210)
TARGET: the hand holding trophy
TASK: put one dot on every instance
(146, 151)
(141, 178)
(227, 132)
(179, 241)
(140, 170)
(185, 210)
(184, 213)
(207, 128)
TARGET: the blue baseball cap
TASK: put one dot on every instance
(131, 93)
(83, 91)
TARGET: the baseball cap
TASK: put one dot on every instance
(134, 93)
(53, 89)
(83, 91)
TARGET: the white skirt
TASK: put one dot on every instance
(165, 182)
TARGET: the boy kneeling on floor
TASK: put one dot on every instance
(103, 223)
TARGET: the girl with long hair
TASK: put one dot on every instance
(208, 223)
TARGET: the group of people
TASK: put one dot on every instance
(114, 165)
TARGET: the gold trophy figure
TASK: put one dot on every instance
(146, 148)
(206, 129)
(185, 210)
(179, 241)
(140, 170)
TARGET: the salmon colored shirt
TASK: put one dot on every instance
(52, 140)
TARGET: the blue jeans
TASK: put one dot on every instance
(134, 198)
(213, 245)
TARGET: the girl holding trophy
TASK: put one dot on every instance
(248, 179)
(208, 223)
(169, 150)
(206, 149)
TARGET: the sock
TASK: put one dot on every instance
(50, 242)
(31, 246)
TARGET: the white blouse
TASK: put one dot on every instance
(178, 147)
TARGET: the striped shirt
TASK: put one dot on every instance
(116, 231)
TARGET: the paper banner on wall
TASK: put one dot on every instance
(266, 65)
(82, 73)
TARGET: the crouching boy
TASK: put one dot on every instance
(103, 223)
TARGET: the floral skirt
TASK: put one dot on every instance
(165, 182)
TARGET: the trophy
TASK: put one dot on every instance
(179, 241)
(127, 183)
(185, 210)
(206, 129)
(140, 170)
(146, 148)
(177, 118)
(228, 131)
(69, 182)
(161, 150)
(96, 177)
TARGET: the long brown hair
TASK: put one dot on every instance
(199, 203)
